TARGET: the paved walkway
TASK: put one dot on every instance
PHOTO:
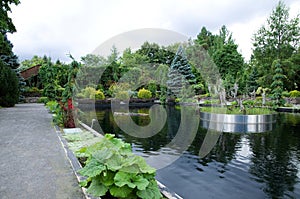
(32, 160)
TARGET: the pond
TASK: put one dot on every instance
(240, 165)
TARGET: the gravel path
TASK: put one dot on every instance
(33, 163)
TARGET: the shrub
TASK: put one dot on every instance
(9, 86)
(55, 108)
(248, 102)
(122, 95)
(234, 103)
(152, 87)
(144, 94)
(80, 95)
(99, 95)
(294, 93)
(89, 92)
(285, 94)
(112, 167)
(43, 100)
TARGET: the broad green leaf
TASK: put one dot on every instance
(92, 168)
(109, 136)
(151, 191)
(122, 178)
(97, 188)
(114, 163)
(140, 182)
(121, 192)
(84, 183)
(103, 155)
(107, 178)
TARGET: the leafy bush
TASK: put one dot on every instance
(122, 95)
(285, 94)
(89, 92)
(152, 87)
(80, 95)
(43, 100)
(144, 94)
(9, 86)
(248, 103)
(294, 93)
(55, 108)
(112, 167)
(234, 103)
(114, 89)
(99, 95)
(212, 101)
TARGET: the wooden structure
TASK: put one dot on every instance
(30, 72)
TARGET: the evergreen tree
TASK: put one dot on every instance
(9, 92)
(180, 74)
(252, 85)
(278, 39)
(277, 85)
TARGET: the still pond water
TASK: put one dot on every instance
(241, 165)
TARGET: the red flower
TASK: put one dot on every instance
(70, 104)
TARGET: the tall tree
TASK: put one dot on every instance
(277, 84)
(7, 57)
(224, 52)
(278, 39)
(180, 74)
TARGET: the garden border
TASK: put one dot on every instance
(166, 192)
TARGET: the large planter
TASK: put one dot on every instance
(237, 123)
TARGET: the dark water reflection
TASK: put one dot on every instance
(257, 165)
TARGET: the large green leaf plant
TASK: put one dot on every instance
(112, 168)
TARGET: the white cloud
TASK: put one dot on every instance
(56, 28)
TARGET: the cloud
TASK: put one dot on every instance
(56, 28)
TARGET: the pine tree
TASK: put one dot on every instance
(180, 74)
(9, 94)
(277, 85)
(252, 85)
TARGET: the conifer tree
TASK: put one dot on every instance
(180, 74)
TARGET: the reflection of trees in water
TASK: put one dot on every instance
(224, 151)
(154, 143)
(275, 158)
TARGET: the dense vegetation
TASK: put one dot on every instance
(10, 81)
(165, 71)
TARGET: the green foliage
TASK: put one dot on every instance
(278, 39)
(122, 95)
(212, 101)
(43, 100)
(34, 61)
(6, 24)
(88, 92)
(99, 95)
(152, 87)
(180, 75)
(294, 93)
(285, 94)
(277, 84)
(237, 111)
(56, 110)
(76, 141)
(9, 89)
(144, 94)
(111, 166)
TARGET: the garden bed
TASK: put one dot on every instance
(72, 142)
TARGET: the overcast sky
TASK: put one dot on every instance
(59, 27)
